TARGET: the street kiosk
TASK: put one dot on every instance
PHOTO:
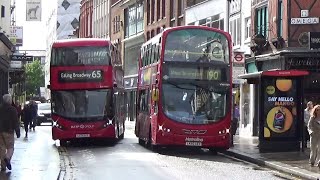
(280, 111)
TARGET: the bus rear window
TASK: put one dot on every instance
(77, 56)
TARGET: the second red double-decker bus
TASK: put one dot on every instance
(86, 82)
(184, 89)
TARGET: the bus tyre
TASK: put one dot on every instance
(63, 143)
(142, 142)
(213, 151)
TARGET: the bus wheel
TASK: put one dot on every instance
(142, 142)
(63, 143)
(213, 151)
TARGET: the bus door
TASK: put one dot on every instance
(143, 112)
(154, 109)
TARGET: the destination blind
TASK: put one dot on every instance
(81, 76)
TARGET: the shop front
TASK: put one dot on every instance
(132, 47)
(130, 84)
(5, 51)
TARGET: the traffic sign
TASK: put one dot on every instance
(238, 57)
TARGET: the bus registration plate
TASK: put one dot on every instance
(82, 135)
(193, 143)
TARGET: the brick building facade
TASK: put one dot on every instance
(86, 12)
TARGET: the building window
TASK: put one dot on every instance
(280, 18)
(133, 19)
(163, 8)
(172, 10)
(180, 7)
(180, 21)
(3, 11)
(235, 30)
(158, 9)
(247, 28)
(148, 11)
(261, 25)
(116, 24)
(152, 11)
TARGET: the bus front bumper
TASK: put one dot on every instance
(69, 134)
(169, 139)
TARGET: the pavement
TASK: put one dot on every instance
(34, 158)
(293, 163)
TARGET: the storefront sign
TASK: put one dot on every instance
(310, 20)
(21, 58)
(16, 64)
(314, 40)
(81, 76)
(307, 63)
(280, 108)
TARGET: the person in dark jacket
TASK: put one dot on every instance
(8, 125)
(27, 118)
(34, 113)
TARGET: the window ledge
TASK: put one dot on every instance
(248, 40)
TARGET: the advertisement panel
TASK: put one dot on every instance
(33, 10)
(16, 35)
(280, 108)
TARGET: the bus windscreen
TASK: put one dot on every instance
(79, 56)
(83, 105)
(196, 45)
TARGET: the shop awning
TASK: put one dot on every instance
(254, 78)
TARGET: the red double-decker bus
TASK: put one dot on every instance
(86, 83)
(185, 88)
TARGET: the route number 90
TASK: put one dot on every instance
(213, 75)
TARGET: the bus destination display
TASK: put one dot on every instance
(81, 76)
(194, 73)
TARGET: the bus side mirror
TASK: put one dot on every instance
(155, 94)
(48, 86)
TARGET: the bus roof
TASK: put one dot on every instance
(81, 42)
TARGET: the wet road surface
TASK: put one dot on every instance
(128, 160)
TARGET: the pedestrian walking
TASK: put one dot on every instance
(234, 122)
(34, 113)
(307, 114)
(27, 118)
(314, 132)
(8, 125)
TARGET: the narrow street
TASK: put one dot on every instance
(128, 160)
